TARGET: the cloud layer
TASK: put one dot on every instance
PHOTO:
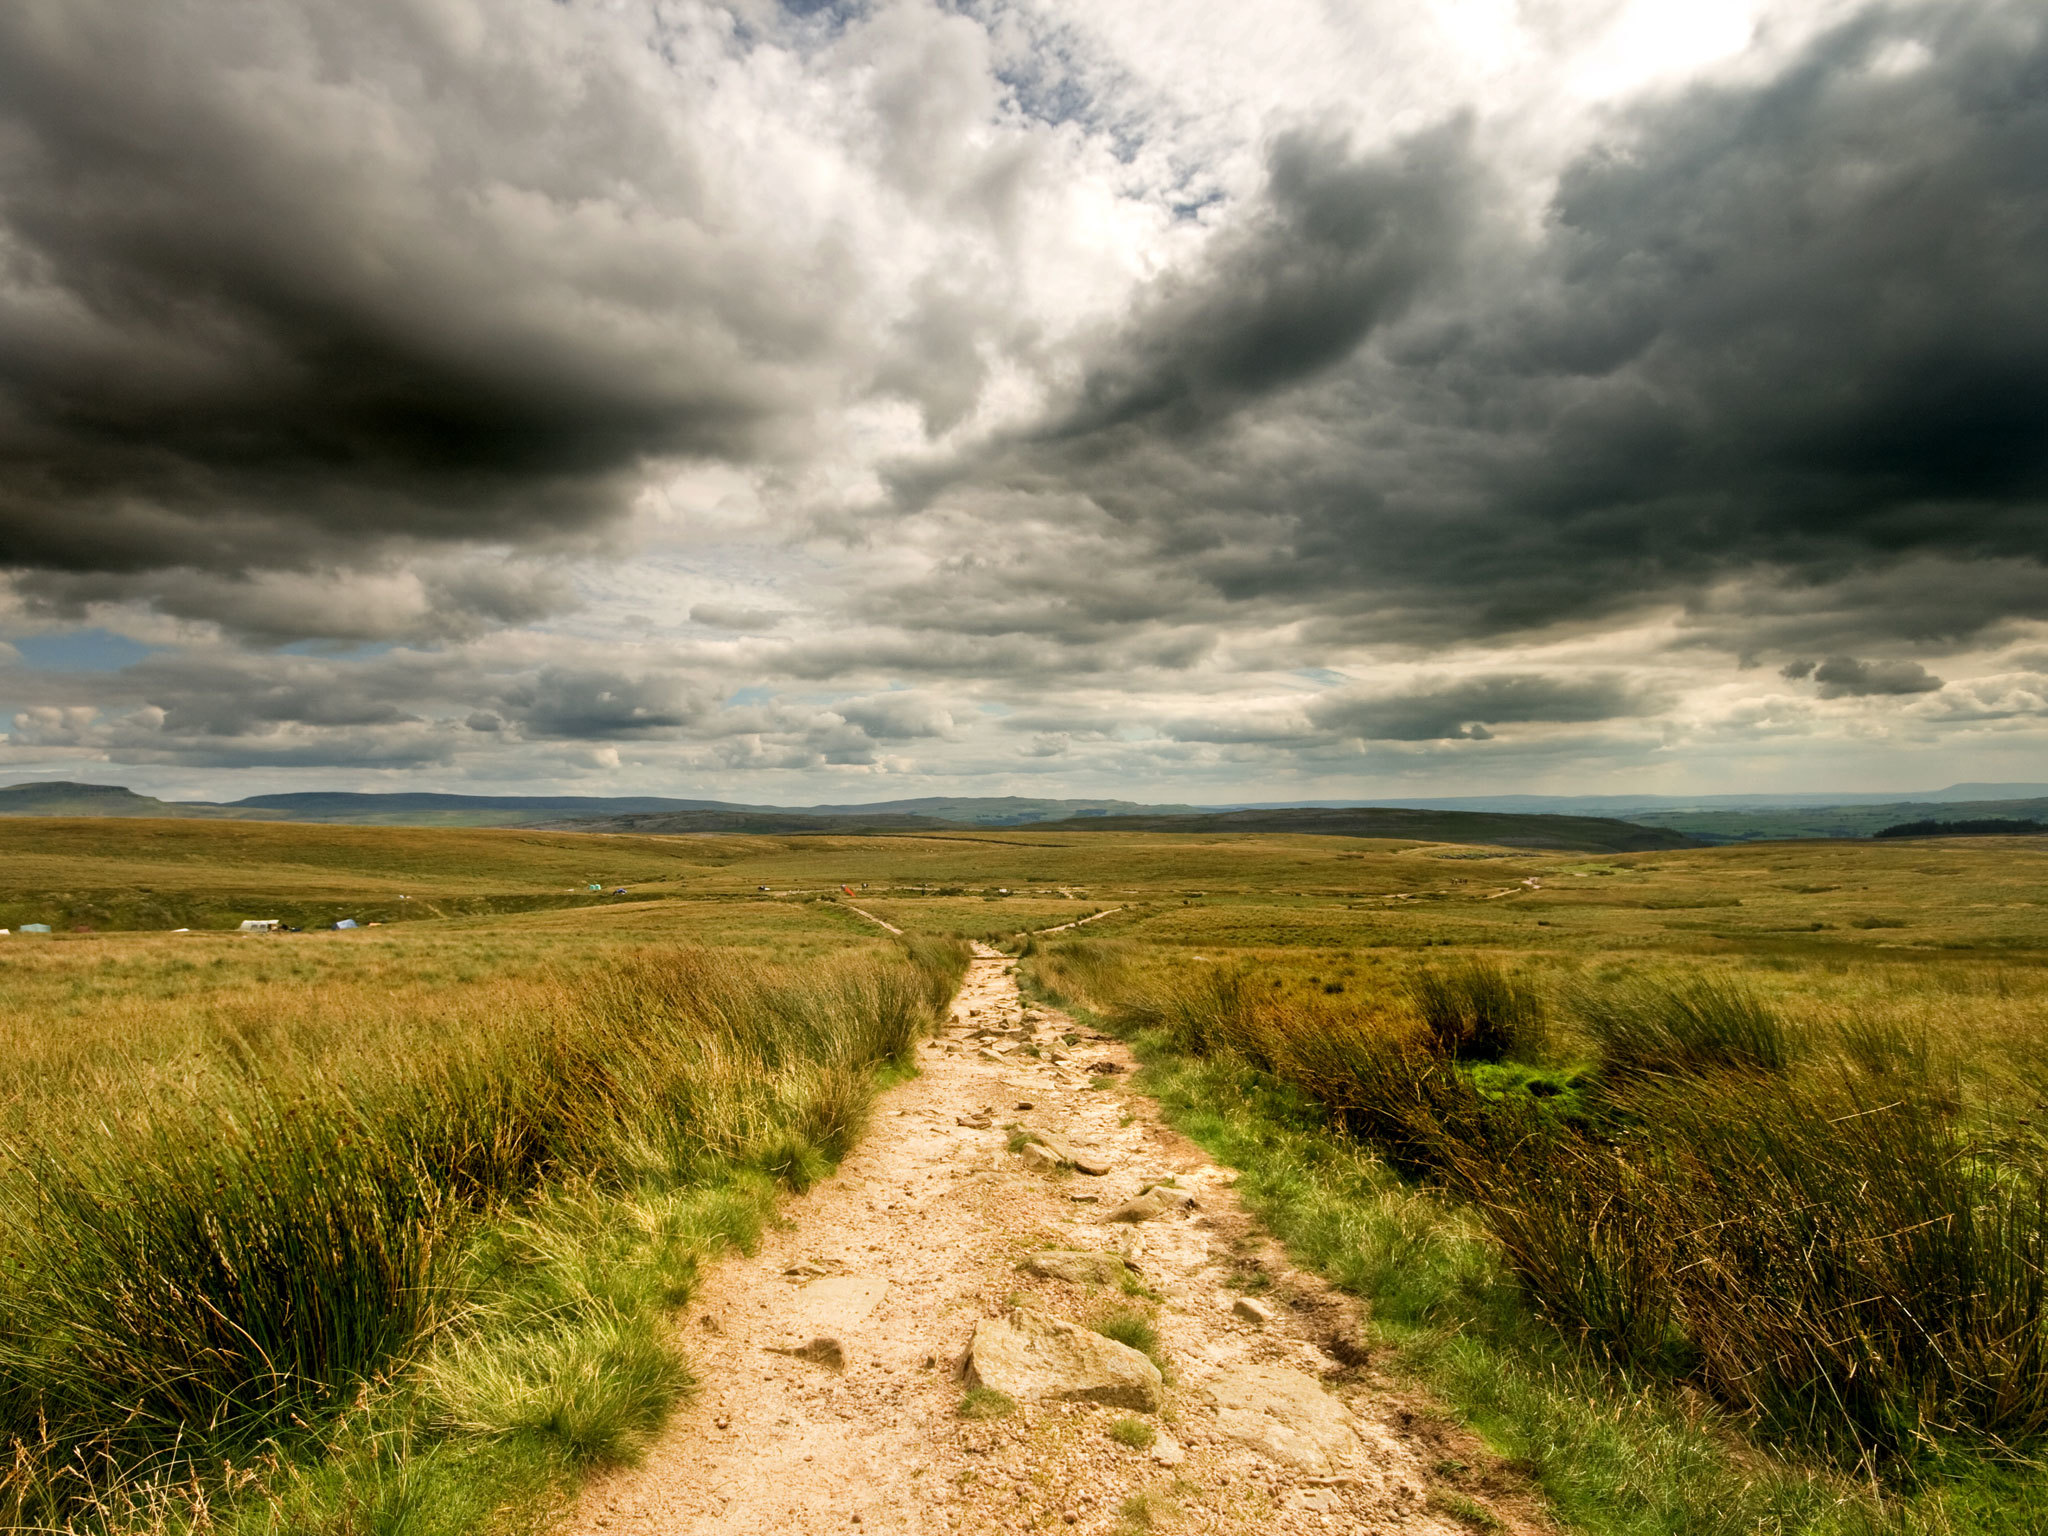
(708, 396)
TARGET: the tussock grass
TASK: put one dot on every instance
(1655, 1027)
(987, 1403)
(1813, 1241)
(1138, 1434)
(215, 1274)
(1477, 1010)
(1133, 1329)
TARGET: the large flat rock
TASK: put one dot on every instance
(1283, 1414)
(838, 1302)
(1033, 1358)
(1156, 1201)
(1084, 1268)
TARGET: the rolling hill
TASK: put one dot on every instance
(1591, 834)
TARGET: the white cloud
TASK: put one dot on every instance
(1124, 397)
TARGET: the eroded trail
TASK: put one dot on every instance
(883, 1274)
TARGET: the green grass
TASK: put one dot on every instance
(1619, 1443)
(1767, 982)
(986, 1403)
(305, 1247)
(1467, 1512)
(1476, 1010)
(1133, 1329)
(1138, 1434)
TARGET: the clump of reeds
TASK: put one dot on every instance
(1477, 1010)
(1827, 1250)
(1650, 1027)
(205, 1275)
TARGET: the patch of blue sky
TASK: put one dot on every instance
(1321, 675)
(82, 650)
(756, 694)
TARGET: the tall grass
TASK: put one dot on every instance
(199, 1276)
(1648, 1027)
(1817, 1239)
(1477, 1010)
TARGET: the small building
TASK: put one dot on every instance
(346, 922)
(261, 924)
(35, 927)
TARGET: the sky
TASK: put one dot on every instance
(1173, 400)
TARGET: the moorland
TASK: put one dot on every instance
(1704, 1181)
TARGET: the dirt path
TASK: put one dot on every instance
(919, 1238)
(1092, 917)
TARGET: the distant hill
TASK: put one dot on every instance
(1639, 807)
(649, 813)
(1706, 818)
(1773, 825)
(416, 810)
(1589, 834)
(60, 797)
(1989, 826)
(996, 810)
(767, 821)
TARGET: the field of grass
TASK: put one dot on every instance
(381, 1231)
(1707, 1182)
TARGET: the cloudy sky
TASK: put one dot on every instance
(1173, 399)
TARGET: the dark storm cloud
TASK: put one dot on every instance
(1464, 709)
(281, 283)
(1847, 677)
(1814, 316)
(414, 600)
(1342, 245)
(591, 705)
(1774, 338)
(407, 708)
(1459, 709)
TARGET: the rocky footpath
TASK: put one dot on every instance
(926, 1346)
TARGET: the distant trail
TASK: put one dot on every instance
(1077, 922)
(918, 1239)
(1062, 928)
(864, 912)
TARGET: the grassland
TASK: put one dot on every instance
(561, 1195)
(381, 1230)
(1708, 1184)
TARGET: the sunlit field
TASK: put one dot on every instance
(1710, 1181)
(1706, 1182)
(298, 1224)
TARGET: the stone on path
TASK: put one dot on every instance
(1085, 1159)
(1032, 1357)
(1077, 1268)
(1283, 1414)
(1252, 1310)
(838, 1304)
(1156, 1201)
(824, 1351)
(1039, 1158)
